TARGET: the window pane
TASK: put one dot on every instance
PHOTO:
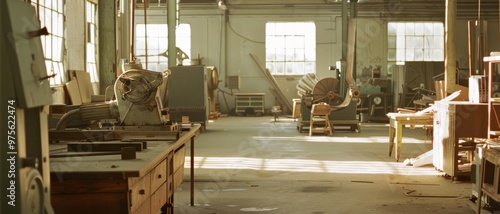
(438, 55)
(270, 55)
(392, 28)
(391, 55)
(410, 29)
(391, 42)
(419, 28)
(428, 28)
(280, 55)
(289, 54)
(419, 55)
(270, 67)
(310, 67)
(48, 52)
(48, 20)
(289, 45)
(400, 56)
(428, 54)
(58, 47)
(415, 41)
(157, 39)
(419, 42)
(400, 42)
(280, 68)
(438, 29)
(299, 54)
(410, 42)
(310, 54)
(409, 55)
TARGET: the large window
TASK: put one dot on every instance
(415, 41)
(51, 15)
(91, 44)
(291, 48)
(157, 42)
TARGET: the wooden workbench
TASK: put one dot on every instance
(397, 122)
(107, 184)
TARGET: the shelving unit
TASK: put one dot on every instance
(490, 167)
(249, 102)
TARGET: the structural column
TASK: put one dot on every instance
(450, 64)
(107, 45)
(172, 25)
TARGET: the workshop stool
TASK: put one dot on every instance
(276, 110)
(320, 121)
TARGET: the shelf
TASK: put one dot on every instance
(249, 101)
(493, 59)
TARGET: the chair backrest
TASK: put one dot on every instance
(321, 109)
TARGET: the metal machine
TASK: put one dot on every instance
(25, 94)
(188, 94)
(327, 90)
(141, 99)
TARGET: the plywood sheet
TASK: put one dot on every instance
(73, 92)
(84, 85)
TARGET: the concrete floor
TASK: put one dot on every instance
(256, 165)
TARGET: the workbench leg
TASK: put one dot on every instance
(481, 181)
(391, 139)
(399, 139)
(192, 172)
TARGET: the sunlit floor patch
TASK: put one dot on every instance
(258, 209)
(309, 165)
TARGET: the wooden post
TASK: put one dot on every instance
(449, 44)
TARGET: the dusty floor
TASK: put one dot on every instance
(256, 165)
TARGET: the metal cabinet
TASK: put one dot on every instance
(187, 94)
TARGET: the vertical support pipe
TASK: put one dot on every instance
(132, 31)
(106, 44)
(171, 22)
(191, 169)
(146, 5)
(344, 30)
(449, 44)
(223, 41)
(354, 14)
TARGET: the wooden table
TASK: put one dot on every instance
(397, 122)
(108, 184)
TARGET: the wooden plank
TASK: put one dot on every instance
(102, 146)
(118, 134)
(73, 92)
(79, 135)
(280, 95)
(84, 85)
(276, 94)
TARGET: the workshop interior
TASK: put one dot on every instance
(262, 106)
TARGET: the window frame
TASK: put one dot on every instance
(290, 49)
(425, 38)
(91, 40)
(47, 12)
(154, 37)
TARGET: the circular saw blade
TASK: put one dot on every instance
(326, 90)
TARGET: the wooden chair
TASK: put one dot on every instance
(320, 121)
